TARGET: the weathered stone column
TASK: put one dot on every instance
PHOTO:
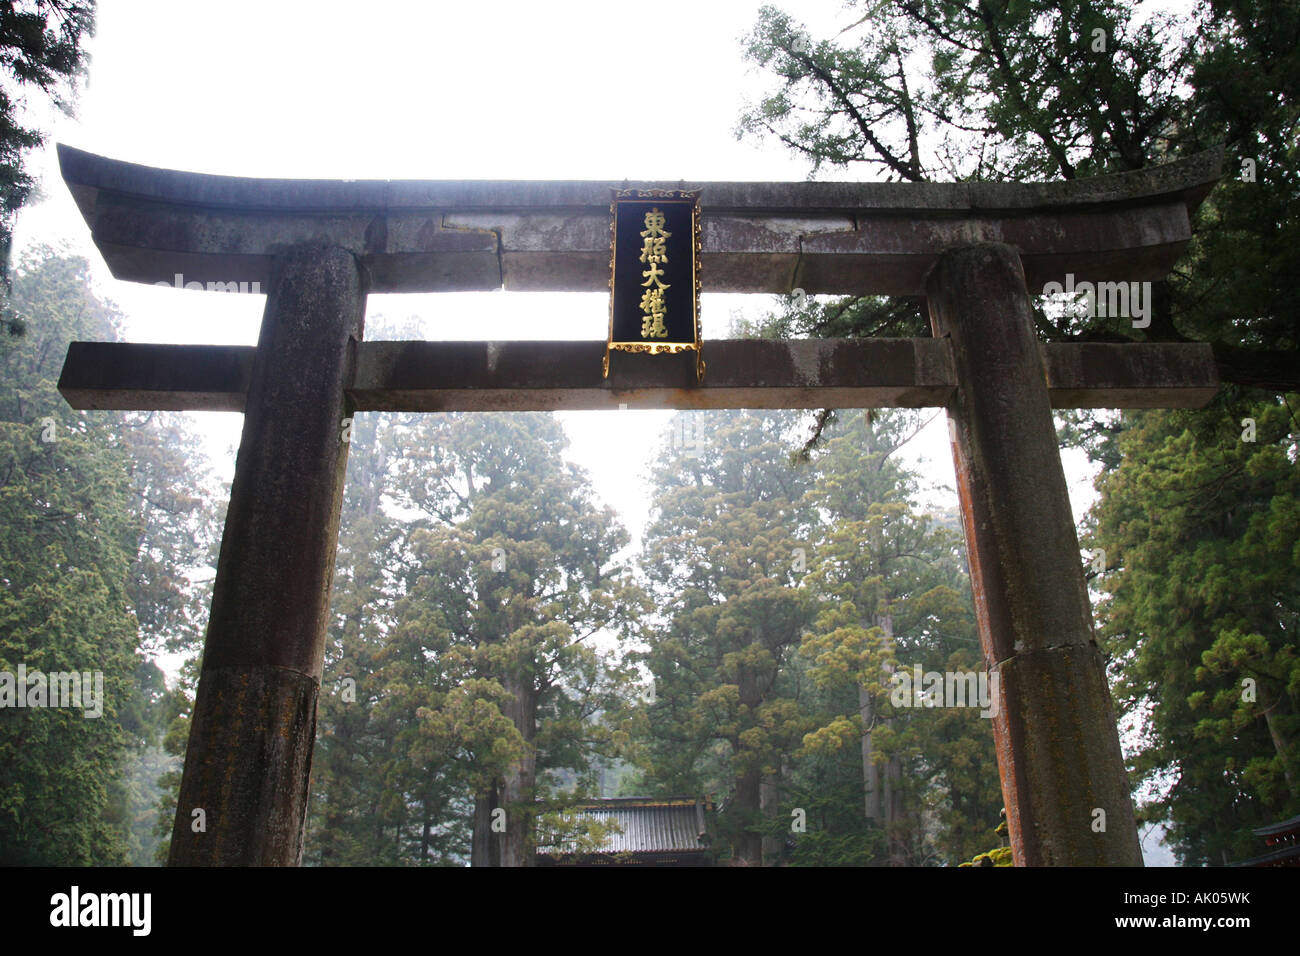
(1058, 747)
(254, 722)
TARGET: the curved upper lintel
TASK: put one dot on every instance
(458, 235)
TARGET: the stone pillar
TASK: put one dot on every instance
(254, 722)
(1058, 747)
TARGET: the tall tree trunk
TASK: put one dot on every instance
(746, 805)
(484, 849)
(769, 802)
(1280, 743)
(518, 794)
(870, 772)
(894, 816)
(747, 802)
(878, 789)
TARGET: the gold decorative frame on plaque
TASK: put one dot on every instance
(676, 196)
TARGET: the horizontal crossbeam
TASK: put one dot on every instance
(555, 375)
(155, 225)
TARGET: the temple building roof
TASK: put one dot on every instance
(649, 831)
(1284, 839)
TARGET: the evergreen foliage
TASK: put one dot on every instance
(1198, 594)
(40, 48)
(776, 581)
(82, 561)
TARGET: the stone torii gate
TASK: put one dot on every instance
(975, 250)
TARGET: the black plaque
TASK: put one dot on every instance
(654, 302)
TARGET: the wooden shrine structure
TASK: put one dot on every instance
(976, 251)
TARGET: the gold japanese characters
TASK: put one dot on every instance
(654, 254)
(654, 273)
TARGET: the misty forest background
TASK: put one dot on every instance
(495, 643)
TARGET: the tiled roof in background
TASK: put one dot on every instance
(650, 824)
